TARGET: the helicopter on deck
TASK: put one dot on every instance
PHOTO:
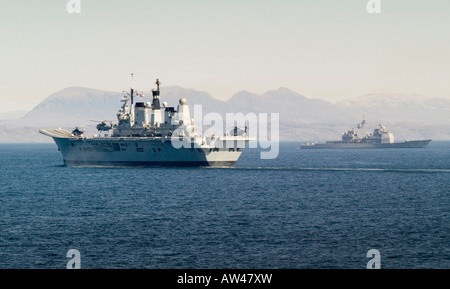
(77, 132)
(103, 125)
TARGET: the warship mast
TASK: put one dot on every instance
(361, 127)
(132, 100)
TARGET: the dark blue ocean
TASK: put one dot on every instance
(305, 209)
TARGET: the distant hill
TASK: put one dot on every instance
(11, 115)
(395, 108)
(74, 106)
(301, 118)
(292, 106)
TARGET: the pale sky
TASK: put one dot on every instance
(329, 49)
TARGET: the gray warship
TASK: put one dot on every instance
(380, 138)
(144, 135)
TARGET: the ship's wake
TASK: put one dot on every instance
(330, 169)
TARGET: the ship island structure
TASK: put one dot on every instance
(143, 137)
(380, 138)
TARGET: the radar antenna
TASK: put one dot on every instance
(132, 88)
(361, 125)
(156, 103)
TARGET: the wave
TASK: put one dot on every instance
(280, 168)
(326, 169)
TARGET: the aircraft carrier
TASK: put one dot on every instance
(148, 134)
(380, 138)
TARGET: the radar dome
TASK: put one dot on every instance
(183, 101)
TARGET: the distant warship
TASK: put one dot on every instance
(143, 137)
(380, 138)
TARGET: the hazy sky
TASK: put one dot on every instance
(330, 49)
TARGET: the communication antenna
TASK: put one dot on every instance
(361, 126)
(132, 88)
(156, 103)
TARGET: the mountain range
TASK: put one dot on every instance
(408, 116)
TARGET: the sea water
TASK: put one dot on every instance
(304, 209)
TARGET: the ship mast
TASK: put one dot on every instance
(131, 99)
(132, 89)
(156, 103)
(362, 125)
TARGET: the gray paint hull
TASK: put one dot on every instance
(356, 145)
(140, 152)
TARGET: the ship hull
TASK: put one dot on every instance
(141, 152)
(70, 163)
(359, 145)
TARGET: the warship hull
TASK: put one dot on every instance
(361, 145)
(117, 151)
